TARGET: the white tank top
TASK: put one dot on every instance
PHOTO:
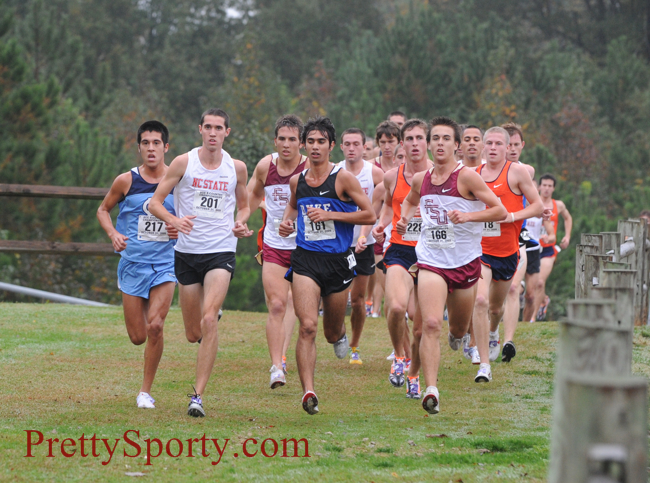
(210, 195)
(535, 227)
(276, 197)
(368, 186)
(443, 244)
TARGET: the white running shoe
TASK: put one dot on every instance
(341, 347)
(495, 345)
(484, 373)
(431, 400)
(375, 315)
(391, 357)
(277, 377)
(310, 403)
(454, 343)
(474, 357)
(145, 401)
(466, 347)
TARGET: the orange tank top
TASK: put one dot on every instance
(553, 220)
(402, 189)
(502, 239)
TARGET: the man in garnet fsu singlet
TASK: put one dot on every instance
(400, 255)
(500, 243)
(452, 200)
(145, 273)
(208, 185)
(270, 181)
(363, 243)
(327, 202)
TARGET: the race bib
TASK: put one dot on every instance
(413, 230)
(491, 228)
(439, 236)
(319, 230)
(151, 228)
(276, 226)
(209, 204)
(352, 261)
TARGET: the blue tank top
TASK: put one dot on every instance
(148, 241)
(325, 236)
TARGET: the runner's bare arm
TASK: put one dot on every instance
(568, 224)
(410, 203)
(347, 185)
(291, 211)
(255, 186)
(471, 185)
(522, 180)
(377, 178)
(549, 237)
(241, 196)
(386, 215)
(172, 177)
(119, 188)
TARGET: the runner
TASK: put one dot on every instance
(327, 202)
(549, 251)
(363, 244)
(145, 274)
(400, 255)
(452, 200)
(208, 184)
(370, 151)
(398, 117)
(270, 181)
(510, 182)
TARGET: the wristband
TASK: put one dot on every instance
(513, 217)
(363, 236)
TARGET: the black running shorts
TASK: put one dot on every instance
(333, 272)
(191, 268)
(365, 261)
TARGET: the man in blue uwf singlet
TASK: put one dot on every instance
(326, 202)
(145, 274)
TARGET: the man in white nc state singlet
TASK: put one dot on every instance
(208, 184)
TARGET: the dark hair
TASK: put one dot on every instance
(291, 121)
(644, 214)
(465, 127)
(396, 113)
(215, 111)
(154, 126)
(354, 130)
(513, 128)
(321, 124)
(411, 123)
(444, 121)
(388, 129)
(548, 176)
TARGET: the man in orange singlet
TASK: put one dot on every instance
(400, 255)
(510, 182)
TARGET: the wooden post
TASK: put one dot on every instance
(612, 244)
(594, 264)
(601, 416)
(592, 240)
(581, 251)
(636, 230)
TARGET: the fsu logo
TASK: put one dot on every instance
(436, 212)
(280, 196)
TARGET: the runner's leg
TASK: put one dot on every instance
(306, 307)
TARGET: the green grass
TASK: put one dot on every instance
(72, 370)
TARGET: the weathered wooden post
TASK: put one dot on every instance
(593, 240)
(612, 244)
(634, 233)
(581, 251)
(594, 265)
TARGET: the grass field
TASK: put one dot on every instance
(68, 371)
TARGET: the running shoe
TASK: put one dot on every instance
(375, 315)
(466, 347)
(391, 357)
(220, 315)
(495, 345)
(341, 347)
(431, 400)
(284, 364)
(474, 355)
(396, 377)
(195, 409)
(508, 351)
(454, 343)
(413, 387)
(354, 356)
(277, 377)
(541, 313)
(484, 373)
(310, 403)
(368, 309)
(145, 401)
(407, 364)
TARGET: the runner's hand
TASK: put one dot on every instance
(565, 242)
(317, 214)
(548, 212)
(378, 233)
(171, 231)
(544, 239)
(241, 230)
(458, 217)
(185, 224)
(361, 244)
(286, 228)
(119, 241)
(401, 226)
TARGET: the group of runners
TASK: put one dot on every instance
(439, 208)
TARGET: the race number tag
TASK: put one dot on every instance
(491, 228)
(352, 261)
(209, 204)
(439, 236)
(413, 230)
(151, 228)
(319, 230)
(276, 226)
